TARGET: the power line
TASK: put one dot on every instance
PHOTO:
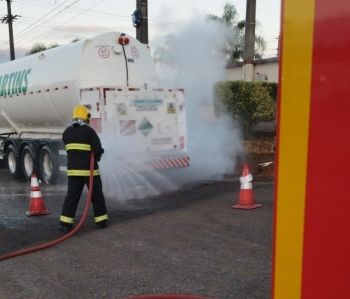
(87, 11)
(39, 21)
(23, 32)
(42, 19)
(32, 32)
(68, 8)
(78, 14)
(96, 13)
(65, 22)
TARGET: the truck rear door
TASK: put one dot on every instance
(148, 121)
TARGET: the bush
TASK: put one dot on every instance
(272, 88)
(248, 102)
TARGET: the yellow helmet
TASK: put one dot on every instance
(81, 112)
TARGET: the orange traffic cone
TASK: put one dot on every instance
(246, 199)
(37, 204)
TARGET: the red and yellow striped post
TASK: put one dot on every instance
(312, 212)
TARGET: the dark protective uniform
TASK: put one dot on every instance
(80, 140)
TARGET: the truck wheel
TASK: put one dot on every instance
(28, 161)
(48, 166)
(13, 161)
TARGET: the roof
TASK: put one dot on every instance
(255, 62)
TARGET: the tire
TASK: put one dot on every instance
(13, 161)
(48, 165)
(28, 161)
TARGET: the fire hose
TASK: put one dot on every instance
(66, 236)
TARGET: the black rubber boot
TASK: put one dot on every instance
(102, 224)
(65, 229)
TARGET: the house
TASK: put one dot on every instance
(265, 69)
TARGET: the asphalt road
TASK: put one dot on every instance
(187, 242)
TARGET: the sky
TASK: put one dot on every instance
(61, 21)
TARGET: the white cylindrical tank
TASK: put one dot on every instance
(38, 92)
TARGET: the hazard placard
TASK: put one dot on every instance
(127, 127)
(171, 108)
(145, 127)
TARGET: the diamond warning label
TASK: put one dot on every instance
(127, 127)
(145, 127)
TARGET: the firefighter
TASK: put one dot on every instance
(80, 139)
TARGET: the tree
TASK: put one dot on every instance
(229, 16)
(235, 48)
(247, 102)
(39, 47)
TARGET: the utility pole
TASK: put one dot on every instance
(142, 29)
(249, 41)
(9, 20)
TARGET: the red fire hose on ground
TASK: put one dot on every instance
(76, 229)
(66, 236)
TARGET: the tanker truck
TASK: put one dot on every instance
(112, 74)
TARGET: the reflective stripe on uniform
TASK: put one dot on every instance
(66, 219)
(101, 218)
(78, 146)
(78, 172)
